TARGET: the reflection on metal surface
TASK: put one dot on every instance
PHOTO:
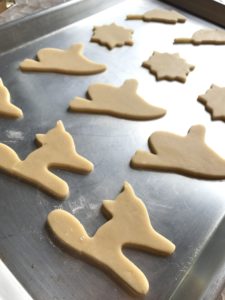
(220, 1)
(4, 4)
(211, 10)
(26, 7)
(10, 288)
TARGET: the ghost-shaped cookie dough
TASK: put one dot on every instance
(186, 155)
(70, 61)
(123, 102)
(159, 15)
(168, 66)
(112, 36)
(214, 101)
(204, 36)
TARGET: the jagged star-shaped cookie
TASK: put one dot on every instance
(168, 66)
(204, 36)
(7, 109)
(159, 15)
(112, 36)
(186, 155)
(214, 101)
(120, 101)
(69, 61)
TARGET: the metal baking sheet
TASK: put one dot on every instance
(211, 10)
(188, 211)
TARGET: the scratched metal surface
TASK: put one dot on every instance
(186, 210)
(25, 7)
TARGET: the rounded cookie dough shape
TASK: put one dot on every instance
(70, 61)
(203, 37)
(7, 109)
(112, 36)
(159, 15)
(123, 102)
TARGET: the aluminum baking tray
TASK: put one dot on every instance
(211, 10)
(188, 211)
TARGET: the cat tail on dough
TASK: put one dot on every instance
(68, 230)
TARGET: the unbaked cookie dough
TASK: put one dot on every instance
(214, 101)
(7, 109)
(204, 36)
(120, 101)
(187, 155)
(112, 36)
(70, 61)
(57, 150)
(168, 66)
(159, 15)
(129, 225)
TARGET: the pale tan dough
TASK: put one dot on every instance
(188, 155)
(120, 101)
(204, 36)
(112, 36)
(159, 15)
(7, 109)
(70, 61)
(168, 66)
(129, 226)
(57, 150)
(214, 101)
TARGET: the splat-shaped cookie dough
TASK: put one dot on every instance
(71, 61)
(7, 109)
(204, 36)
(120, 101)
(129, 226)
(57, 150)
(112, 36)
(187, 155)
(159, 15)
(214, 101)
(168, 66)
